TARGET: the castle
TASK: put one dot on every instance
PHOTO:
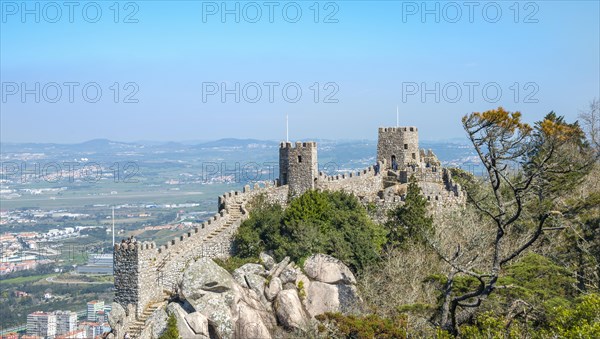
(145, 273)
(398, 158)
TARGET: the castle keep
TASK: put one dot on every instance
(398, 144)
(145, 274)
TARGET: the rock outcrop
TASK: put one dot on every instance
(327, 269)
(255, 301)
(289, 310)
(186, 330)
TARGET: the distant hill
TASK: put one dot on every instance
(329, 150)
(232, 142)
(94, 145)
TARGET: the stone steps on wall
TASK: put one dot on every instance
(135, 329)
(235, 214)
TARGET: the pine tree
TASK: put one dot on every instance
(410, 220)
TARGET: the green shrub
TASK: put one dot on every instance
(581, 321)
(368, 326)
(301, 290)
(546, 292)
(333, 223)
(171, 332)
(488, 325)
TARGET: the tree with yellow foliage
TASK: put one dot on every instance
(526, 168)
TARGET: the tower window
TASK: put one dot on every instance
(414, 156)
(299, 158)
(405, 146)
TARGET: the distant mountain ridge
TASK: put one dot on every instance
(233, 142)
(106, 145)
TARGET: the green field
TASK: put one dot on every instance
(22, 280)
(79, 199)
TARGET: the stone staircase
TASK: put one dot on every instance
(391, 178)
(135, 328)
(235, 214)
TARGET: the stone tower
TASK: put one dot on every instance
(298, 166)
(400, 144)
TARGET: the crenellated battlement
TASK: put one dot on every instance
(136, 246)
(364, 183)
(369, 171)
(298, 144)
(398, 129)
(234, 198)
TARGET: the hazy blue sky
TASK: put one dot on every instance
(368, 56)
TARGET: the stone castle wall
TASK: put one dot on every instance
(274, 193)
(145, 273)
(364, 183)
(439, 188)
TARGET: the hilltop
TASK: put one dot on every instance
(433, 251)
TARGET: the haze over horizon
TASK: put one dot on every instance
(458, 140)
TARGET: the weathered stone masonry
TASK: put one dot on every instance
(145, 273)
(399, 143)
(298, 166)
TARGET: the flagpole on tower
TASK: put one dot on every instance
(397, 117)
(113, 225)
(287, 129)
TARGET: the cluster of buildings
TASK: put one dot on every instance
(14, 242)
(57, 234)
(65, 324)
(29, 263)
(51, 324)
(33, 216)
(18, 241)
(22, 251)
(17, 252)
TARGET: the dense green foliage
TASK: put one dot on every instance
(261, 231)
(578, 248)
(171, 332)
(334, 223)
(581, 320)
(369, 326)
(536, 278)
(529, 293)
(410, 221)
